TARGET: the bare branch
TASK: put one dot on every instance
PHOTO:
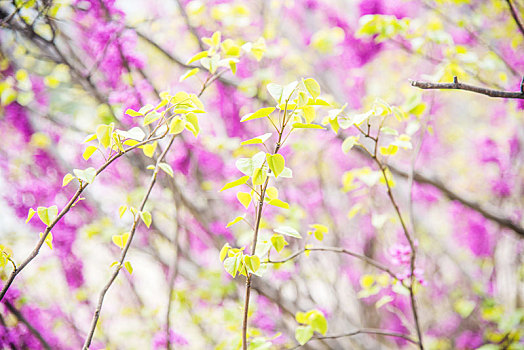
(29, 326)
(515, 16)
(461, 86)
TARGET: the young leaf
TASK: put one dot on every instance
(87, 175)
(167, 168)
(278, 242)
(275, 91)
(122, 210)
(259, 177)
(235, 183)
(197, 57)
(312, 87)
(48, 240)
(192, 123)
(30, 215)
(288, 231)
(257, 140)
(189, 73)
(223, 251)
(261, 113)
(307, 126)
(303, 334)
(318, 322)
(128, 267)
(235, 220)
(151, 117)
(176, 126)
(252, 263)
(120, 240)
(278, 203)
(231, 265)
(132, 113)
(47, 215)
(349, 143)
(149, 149)
(67, 179)
(146, 218)
(103, 133)
(244, 198)
(88, 153)
(276, 163)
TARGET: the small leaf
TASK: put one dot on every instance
(235, 183)
(389, 151)
(275, 91)
(276, 163)
(383, 301)
(151, 117)
(67, 179)
(189, 74)
(132, 113)
(348, 143)
(261, 113)
(176, 126)
(122, 210)
(252, 263)
(47, 215)
(120, 240)
(149, 149)
(231, 265)
(88, 153)
(278, 203)
(197, 57)
(288, 231)
(259, 177)
(48, 240)
(223, 251)
(307, 126)
(30, 215)
(303, 334)
(103, 133)
(244, 198)
(257, 140)
(128, 267)
(312, 87)
(318, 323)
(167, 168)
(146, 218)
(192, 123)
(87, 175)
(235, 220)
(278, 242)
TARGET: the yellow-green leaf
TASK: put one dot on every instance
(192, 124)
(278, 203)
(223, 251)
(176, 126)
(120, 240)
(122, 210)
(244, 198)
(30, 215)
(88, 153)
(276, 163)
(312, 87)
(197, 57)
(235, 220)
(235, 183)
(167, 168)
(146, 217)
(307, 126)
(128, 267)
(67, 179)
(47, 215)
(103, 133)
(257, 140)
(149, 149)
(261, 113)
(189, 74)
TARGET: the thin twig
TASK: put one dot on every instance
(461, 86)
(515, 16)
(364, 331)
(29, 326)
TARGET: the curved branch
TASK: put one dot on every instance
(461, 86)
(515, 16)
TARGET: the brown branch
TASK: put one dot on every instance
(364, 258)
(461, 86)
(515, 16)
(365, 331)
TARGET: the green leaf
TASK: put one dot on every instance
(48, 240)
(464, 307)
(192, 123)
(197, 57)
(167, 168)
(189, 73)
(223, 251)
(30, 215)
(248, 165)
(128, 267)
(235, 220)
(120, 240)
(309, 113)
(259, 177)
(275, 91)
(261, 113)
(278, 242)
(47, 215)
(276, 163)
(103, 133)
(67, 179)
(122, 210)
(87, 154)
(348, 143)
(146, 217)
(312, 87)
(307, 126)
(303, 334)
(244, 198)
(278, 203)
(231, 265)
(252, 263)
(288, 91)
(235, 183)
(383, 301)
(318, 322)
(87, 175)
(132, 113)
(151, 117)
(257, 140)
(134, 134)
(288, 231)
(176, 126)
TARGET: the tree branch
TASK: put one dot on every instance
(461, 86)
(515, 16)
(29, 326)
